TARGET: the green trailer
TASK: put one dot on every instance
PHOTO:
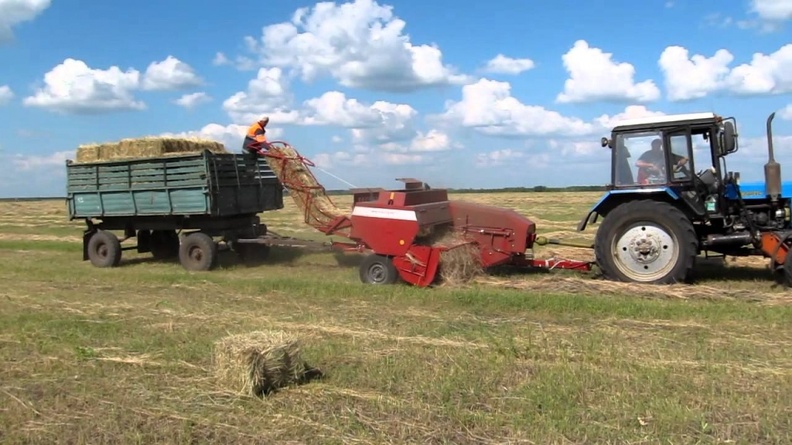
(174, 206)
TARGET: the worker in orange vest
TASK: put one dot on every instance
(255, 138)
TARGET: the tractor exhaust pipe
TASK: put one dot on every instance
(772, 168)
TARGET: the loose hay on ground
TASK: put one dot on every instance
(259, 362)
(145, 147)
(590, 286)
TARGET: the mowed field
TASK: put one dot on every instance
(124, 355)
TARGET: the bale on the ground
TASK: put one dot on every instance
(259, 362)
(146, 147)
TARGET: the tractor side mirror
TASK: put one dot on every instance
(727, 142)
(606, 142)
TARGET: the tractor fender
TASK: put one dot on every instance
(615, 197)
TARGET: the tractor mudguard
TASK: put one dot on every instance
(615, 197)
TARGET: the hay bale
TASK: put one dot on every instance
(260, 362)
(461, 261)
(146, 147)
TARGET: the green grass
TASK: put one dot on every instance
(124, 355)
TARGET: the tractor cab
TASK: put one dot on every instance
(680, 154)
(675, 151)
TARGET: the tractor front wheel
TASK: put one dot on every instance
(646, 242)
(378, 269)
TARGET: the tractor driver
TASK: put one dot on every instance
(256, 135)
(652, 162)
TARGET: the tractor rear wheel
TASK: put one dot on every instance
(378, 269)
(646, 242)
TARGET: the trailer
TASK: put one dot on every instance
(174, 206)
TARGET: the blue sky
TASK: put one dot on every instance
(458, 93)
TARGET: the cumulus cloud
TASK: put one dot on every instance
(14, 12)
(607, 122)
(74, 87)
(361, 44)
(5, 94)
(770, 15)
(595, 76)
(193, 100)
(267, 94)
(497, 158)
(501, 64)
(765, 74)
(693, 77)
(488, 107)
(41, 162)
(170, 74)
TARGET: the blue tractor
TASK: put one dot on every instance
(672, 198)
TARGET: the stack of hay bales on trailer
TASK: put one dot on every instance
(146, 147)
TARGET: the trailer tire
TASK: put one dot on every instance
(198, 252)
(164, 244)
(646, 241)
(104, 249)
(378, 269)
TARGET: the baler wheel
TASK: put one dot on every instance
(104, 249)
(647, 242)
(198, 251)
(378, 269)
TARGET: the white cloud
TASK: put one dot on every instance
(14, 12)
(488, 107)
(267, 94)
(772, 10)
(595, 76)
(361, 44)
(766, 74)
(506, 65)
(786, 112)
(170, 74)
(192, 100)
(693, 77)
(220, 59)
(771, 14)
(73, 87)
(5, 94)
(500, 157)
(630, 112)
(433, 140)
(37, 162)
(688, 78)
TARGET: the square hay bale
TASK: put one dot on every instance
(147, 147)
(260, 362)
(461, 262)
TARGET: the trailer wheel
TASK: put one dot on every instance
(104, 249)
(378, 269)
(164, 244)
(198, 251)
(647, 242)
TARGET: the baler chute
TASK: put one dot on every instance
(406, 231)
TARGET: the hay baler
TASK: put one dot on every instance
(404, 231)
